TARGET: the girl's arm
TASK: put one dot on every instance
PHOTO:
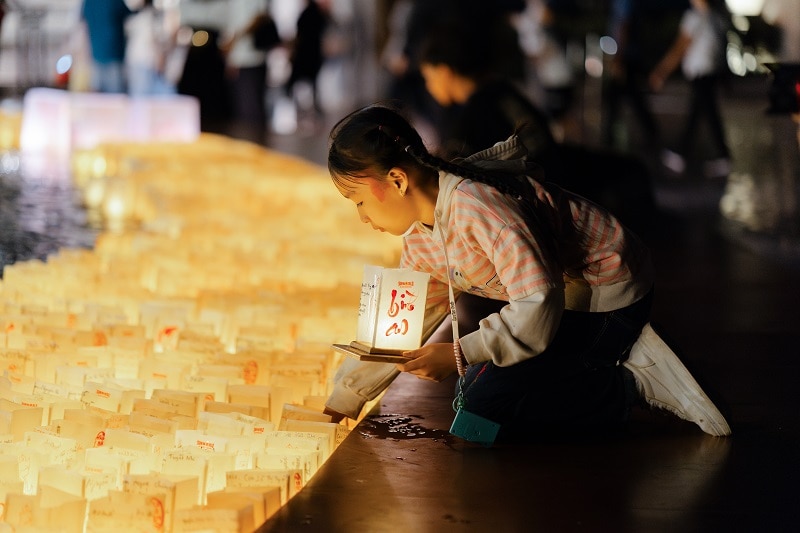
(521, 330)
(357, 382)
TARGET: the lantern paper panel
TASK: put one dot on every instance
(391, 310)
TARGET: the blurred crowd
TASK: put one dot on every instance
(217, 51)
(256, 65)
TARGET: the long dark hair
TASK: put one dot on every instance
(375, 138)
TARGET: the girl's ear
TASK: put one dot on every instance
(399, 180)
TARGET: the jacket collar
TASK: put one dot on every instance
(510, 151)
(507, 156)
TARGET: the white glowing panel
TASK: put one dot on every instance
(391, 309)
(99, 118)
(55, 122)
(46, 124)
(173, 118)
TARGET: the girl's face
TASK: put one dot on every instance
(382, 203)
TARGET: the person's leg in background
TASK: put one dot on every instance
(719, 165)
(249, 103)
(108, 78)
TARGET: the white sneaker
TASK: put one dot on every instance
(673, 161)
(665, 383)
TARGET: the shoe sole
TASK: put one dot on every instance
(708, 417)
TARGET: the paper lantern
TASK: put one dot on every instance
(391, 313)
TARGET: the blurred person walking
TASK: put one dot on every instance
(631, 26)
(307, 57)
(552, 81)
(105, 27)
(151, 40)
(699, 49)
(246, 69)
(405, 81)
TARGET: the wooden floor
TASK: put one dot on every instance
(727, 302)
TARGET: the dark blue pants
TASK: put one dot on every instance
(577, 385)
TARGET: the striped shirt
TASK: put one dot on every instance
(494, 253)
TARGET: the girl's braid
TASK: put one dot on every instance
(511, 187)
(519, 188)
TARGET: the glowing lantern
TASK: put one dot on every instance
(391, 310)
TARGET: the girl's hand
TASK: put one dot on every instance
(434, 362)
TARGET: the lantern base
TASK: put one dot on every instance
(353, 350)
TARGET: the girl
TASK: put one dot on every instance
(576, 287)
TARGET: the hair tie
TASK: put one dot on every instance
(396, 139)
